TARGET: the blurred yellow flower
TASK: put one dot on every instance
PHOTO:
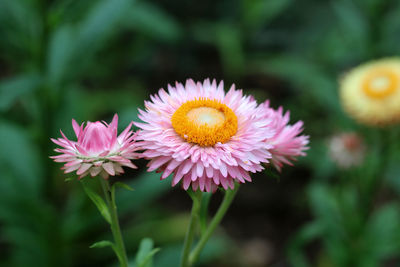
(371, 92)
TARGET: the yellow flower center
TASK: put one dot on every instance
(205, 122)
(380, 83)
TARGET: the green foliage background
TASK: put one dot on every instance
(90, 59)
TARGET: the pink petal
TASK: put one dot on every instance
(84, 167)
(109, 168)
(77, 128)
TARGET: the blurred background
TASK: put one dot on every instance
(90, 59)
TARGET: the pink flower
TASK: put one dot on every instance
(347, 150)
(287, 142)
(98, 149)
(203, 136)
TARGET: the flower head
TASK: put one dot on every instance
(371, 92)
(287, 143)
(98, 149)
(347, 150)
(203, 136)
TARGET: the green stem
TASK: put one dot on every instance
(204, 211)
(384, 143)
(194, 217)
(228, 198)
(115, 228)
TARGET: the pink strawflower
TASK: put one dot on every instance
(98, 149)
(347, 149)
(203, 136)
(287, 142)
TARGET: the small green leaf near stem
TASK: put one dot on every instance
(122, 185)
(145, 253)
(102, 244)
(98, 201)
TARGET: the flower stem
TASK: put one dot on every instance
(194, 217)
(228, 198)
(204, 211)
(115, 228)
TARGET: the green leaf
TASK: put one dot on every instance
(229, 44)
(150, 20)
(21, 28)
(102, 244)
(13, 88)
(60, 54)
(389, 28)
(69, 179)
(123, 185)
(148, 188)
(325, 206)
(76, 46)
(259, 12)
(98, 201)
(20, 166)
(304, 74)
(100, 23)
(392, 174)
(146, 252)
(148, 260)
(307, 233)
(382, 234)
(106, 243)
(215, 247)
(353, 23)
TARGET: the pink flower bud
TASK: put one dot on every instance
(98, 149)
